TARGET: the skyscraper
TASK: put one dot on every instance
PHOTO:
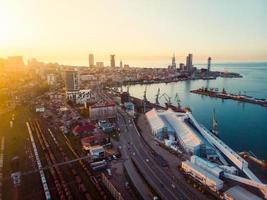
(173, 62)
(72, 80)
(189, 62)
(112, 60)
(91, 60)
(209, 62)
(121, 64)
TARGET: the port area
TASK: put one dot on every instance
(224, 95)
(198, 75)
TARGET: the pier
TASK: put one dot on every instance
(225, 95)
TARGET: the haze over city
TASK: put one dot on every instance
(142, 33)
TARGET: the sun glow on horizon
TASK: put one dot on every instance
(52, 30)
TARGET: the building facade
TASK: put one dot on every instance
(72, 80)
(112, 60)
(91, 60)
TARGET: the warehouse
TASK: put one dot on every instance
(202, 176)
(174, 125)
(210, 167)
(239, 193)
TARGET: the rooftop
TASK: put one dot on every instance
(239, 193)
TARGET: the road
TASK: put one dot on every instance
(158, 177)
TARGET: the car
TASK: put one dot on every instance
(126, 184)
(109, 172)
(147, 160)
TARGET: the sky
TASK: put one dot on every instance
(139, 32)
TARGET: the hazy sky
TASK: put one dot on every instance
(134, 30)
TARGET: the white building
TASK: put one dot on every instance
(202, 176)
(80, 96)
(178, 125)
(239, 193)
(210, 167)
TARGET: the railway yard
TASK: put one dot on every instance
(46, 162)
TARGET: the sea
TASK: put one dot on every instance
(242, 126)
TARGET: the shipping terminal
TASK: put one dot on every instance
(206, 158)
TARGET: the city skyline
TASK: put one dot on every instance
(137, 32)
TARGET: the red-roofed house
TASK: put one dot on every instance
(80, 130)
(96, 139)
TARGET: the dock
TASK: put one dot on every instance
(225, 95)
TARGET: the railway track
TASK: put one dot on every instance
(69, 184)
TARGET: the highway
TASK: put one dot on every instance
(162, 182)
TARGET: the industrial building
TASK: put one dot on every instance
(239, 193)
(177, 126)
(202, 176)
(210, 155)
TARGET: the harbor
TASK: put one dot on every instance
(166, 125)
(224, 95)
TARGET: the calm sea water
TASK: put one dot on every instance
(242, 126)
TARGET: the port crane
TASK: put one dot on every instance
(178, 101)
(167, 98)
(157, 97)
(214, 123)
(145, 99)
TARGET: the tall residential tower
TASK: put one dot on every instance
(72, 80)
(112, 60)
(189, 62)
(91, 60)
(173, 62)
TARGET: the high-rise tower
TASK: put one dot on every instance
(112, 60)
(173, 62)
(72, 80)
(189, 62)
(91, 60)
